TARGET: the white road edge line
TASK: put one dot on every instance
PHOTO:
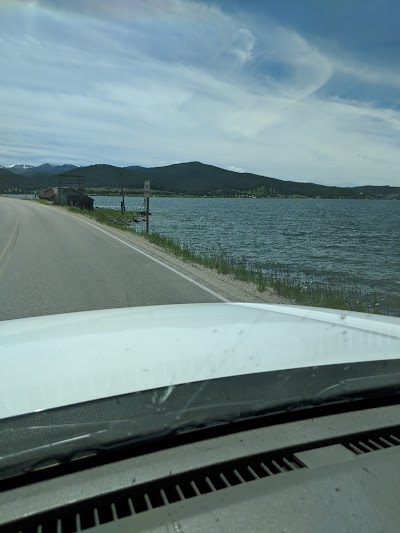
(11, 240)
(184, 276)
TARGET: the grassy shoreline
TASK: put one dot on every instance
(315, 290)
(110, 217)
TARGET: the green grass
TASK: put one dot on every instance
(314, 289)
(44, 202)
(110, 217)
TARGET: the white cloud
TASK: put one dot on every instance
(144, 86)
(369, 74)
(243, 44)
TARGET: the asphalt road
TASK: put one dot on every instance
(51, 262)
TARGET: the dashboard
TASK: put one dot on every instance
(334, 472)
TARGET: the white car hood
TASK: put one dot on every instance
(58, 360)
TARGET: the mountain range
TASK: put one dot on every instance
(45, 167)
(192, 178)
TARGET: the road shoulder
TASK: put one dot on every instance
(224, 285)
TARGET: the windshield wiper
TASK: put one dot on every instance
(345, 391)
(64, 443)
(366, 386)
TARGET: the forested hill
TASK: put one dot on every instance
(10, 182)
(189, 178)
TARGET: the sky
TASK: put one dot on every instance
(307, 90)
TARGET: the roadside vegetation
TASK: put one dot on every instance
(110, 217)
(44, 202)
(312, 288)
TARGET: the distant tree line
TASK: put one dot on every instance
(188, 179)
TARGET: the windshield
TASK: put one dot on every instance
(195, 190)
(257, 129)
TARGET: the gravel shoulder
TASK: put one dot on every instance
(223, 284)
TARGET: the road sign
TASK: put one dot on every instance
(147, 189)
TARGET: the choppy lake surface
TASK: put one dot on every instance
(358, 240)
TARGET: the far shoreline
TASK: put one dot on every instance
(244, 197)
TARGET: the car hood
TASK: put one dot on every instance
(60, 360)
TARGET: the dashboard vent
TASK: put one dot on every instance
(135, 500)
(143, 498)
(373, 442)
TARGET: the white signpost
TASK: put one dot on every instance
(147, 196)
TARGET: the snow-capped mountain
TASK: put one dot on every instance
(18, 167)
(52, 168)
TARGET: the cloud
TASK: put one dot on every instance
(161, 81)
(243, 44)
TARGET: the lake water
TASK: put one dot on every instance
(356, 240)
(23, 196)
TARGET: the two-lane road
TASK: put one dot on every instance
(52, 262)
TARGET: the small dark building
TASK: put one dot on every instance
(67, 196)
(48, 194)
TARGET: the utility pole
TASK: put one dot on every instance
(147, 215)
(123, 200)
(147, 197)
(122, 193)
